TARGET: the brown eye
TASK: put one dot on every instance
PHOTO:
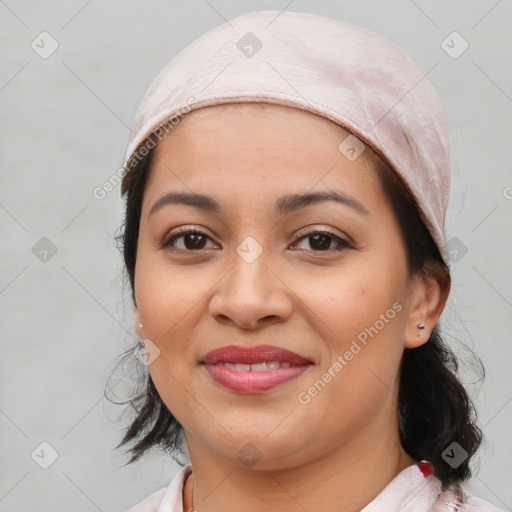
(192, 240)
(321, 241)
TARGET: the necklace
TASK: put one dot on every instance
(192, 509)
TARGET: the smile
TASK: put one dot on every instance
(254, 369)
(254, 378)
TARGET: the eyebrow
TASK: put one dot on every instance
(284, 205)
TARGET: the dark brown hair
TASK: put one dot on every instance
(434, 408)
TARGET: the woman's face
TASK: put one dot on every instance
(261, 272)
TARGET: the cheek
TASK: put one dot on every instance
(166, 310)
(166, 297)
(170, 302)
(352, 305)
(361, 323)
(361, 319)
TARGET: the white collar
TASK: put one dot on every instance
(409, 491)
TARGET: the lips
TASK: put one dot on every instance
(255, 369)
(252, 355)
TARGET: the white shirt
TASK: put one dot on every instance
(409, 491)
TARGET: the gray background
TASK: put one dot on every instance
(64, 126)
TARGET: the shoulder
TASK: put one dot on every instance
(462, 501)
(473, 504)
(167, 499)
(151, 503)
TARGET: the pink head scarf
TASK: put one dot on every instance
(342, 72)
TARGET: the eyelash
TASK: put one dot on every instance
(182, 232)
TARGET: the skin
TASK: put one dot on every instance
(295, 295)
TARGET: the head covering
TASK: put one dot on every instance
(344, 73)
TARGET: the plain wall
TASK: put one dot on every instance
(64, 127)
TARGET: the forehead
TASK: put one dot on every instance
(244, 140)
(252, 115)
(256, 162)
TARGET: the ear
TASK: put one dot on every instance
(428, 295)
(137, 325)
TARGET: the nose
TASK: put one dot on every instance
(251, 295)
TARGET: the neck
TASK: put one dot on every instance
(345, 480)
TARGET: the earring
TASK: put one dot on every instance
(421, 327)
(140, 325)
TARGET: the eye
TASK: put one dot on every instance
(320, 240)
(193, 240)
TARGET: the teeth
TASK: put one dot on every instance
(257, 367)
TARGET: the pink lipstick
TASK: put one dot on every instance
(253, 369)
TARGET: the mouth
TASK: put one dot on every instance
(255, 369)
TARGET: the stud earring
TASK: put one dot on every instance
(140, 325)
(421, 327)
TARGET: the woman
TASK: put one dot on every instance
(286, 184)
